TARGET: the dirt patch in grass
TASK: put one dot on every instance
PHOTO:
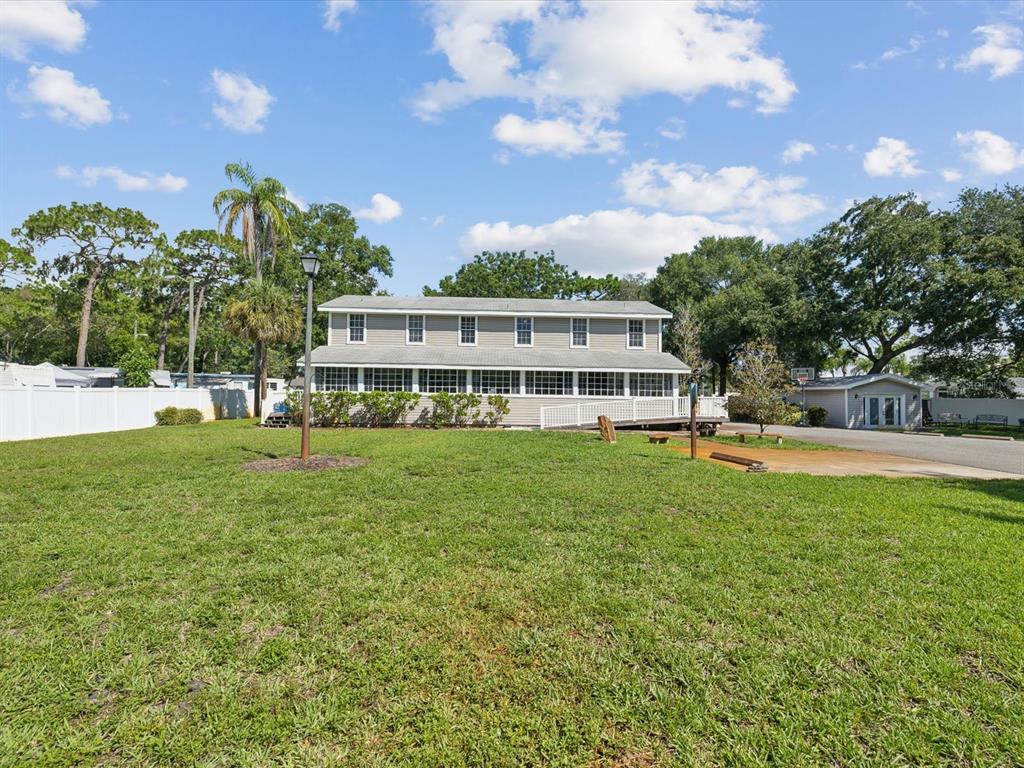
(312, 464)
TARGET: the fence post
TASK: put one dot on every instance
(28, 410)
(77, 397)
(579, 415)
(117, 397)
(633, 401)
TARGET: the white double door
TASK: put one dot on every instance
(883, 411)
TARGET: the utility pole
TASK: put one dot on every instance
(191, 331)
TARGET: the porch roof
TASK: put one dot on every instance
(500, 358)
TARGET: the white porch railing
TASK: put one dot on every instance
(584, 414)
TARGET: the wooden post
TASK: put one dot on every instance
(607, 427)
(693, 420)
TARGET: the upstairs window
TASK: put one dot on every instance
(414, 329)
(635, 334)
(467, 330)
(580, 332)
(356, 329)
(524, 331)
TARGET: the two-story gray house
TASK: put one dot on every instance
(539, 353)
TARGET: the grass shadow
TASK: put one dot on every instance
(266, 454)
(1006, 490)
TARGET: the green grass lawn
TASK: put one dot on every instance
(497, 598)
(769, 442)
(967, 429)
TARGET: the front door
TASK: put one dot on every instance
(883, 411)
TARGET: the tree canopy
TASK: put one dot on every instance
(514, 275)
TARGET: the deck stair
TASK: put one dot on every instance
(277, 420)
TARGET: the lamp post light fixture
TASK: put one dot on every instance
(310, 265)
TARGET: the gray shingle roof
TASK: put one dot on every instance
(490, 357)
(849, 382)
(454, 304)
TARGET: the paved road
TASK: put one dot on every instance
(1000, 455)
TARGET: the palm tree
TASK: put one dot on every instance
(263, 313)
(260, 207)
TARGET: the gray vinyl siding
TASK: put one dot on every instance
(830, 400)
(549, 333)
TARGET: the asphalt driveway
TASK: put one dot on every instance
(1001, 455)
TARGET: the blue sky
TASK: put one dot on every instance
(612, 133)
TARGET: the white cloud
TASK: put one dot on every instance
(951, 174)
(673, 129)
(616, 241)
(295, 199)
(796, 151)
(558, 136)
(438, 221)
(913, 45)
(891, 157)
(90, 175)
(582, 62)
(382, 209)
(990, 152)
(241, 104)
(333, 9)
(26, 24)
(736, 193)
(1002, 51)
(64, 98)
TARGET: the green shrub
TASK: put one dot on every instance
(385, 409)
(171, 416)
(497, 409)
(167, 417)
(454, 410)
(816, 415)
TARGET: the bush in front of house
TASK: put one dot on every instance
(386, 409)
(497, 409)
(459, 409)
(171, 416)
(816, 416)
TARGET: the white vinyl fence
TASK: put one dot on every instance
(970, 407)
(27, 413)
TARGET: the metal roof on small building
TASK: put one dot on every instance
(489, 357)
(456, 304)
(851, 382)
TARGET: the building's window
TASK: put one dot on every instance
(602, 384)
(356, 329)
(650, 384)
(442, 380)
(496, 382)
(331, 379)
(580, 332)
(524, 331)
(549, 382)
(635, 334)
(414, 329)
(467, 330)
(387, 379)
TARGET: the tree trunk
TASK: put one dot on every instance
(165, 329)
(83, 326)
(723, 370)
(257, 404)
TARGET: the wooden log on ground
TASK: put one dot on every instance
(752, 465)
(607, 427)
(658, 437)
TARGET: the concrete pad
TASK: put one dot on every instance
(841, 463)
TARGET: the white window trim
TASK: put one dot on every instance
(415, 343)
(579, 346)
(643, 337)
(476, 331)
(881, 396)
(515, 331)
(348, 328)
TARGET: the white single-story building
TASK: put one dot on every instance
(867, 401)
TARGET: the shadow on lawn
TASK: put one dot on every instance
(1008, 490)
(268, 454)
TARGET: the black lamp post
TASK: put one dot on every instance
(310, 265)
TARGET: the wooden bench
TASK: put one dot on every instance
(949, 418)
(991, 418)
(744, 435)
